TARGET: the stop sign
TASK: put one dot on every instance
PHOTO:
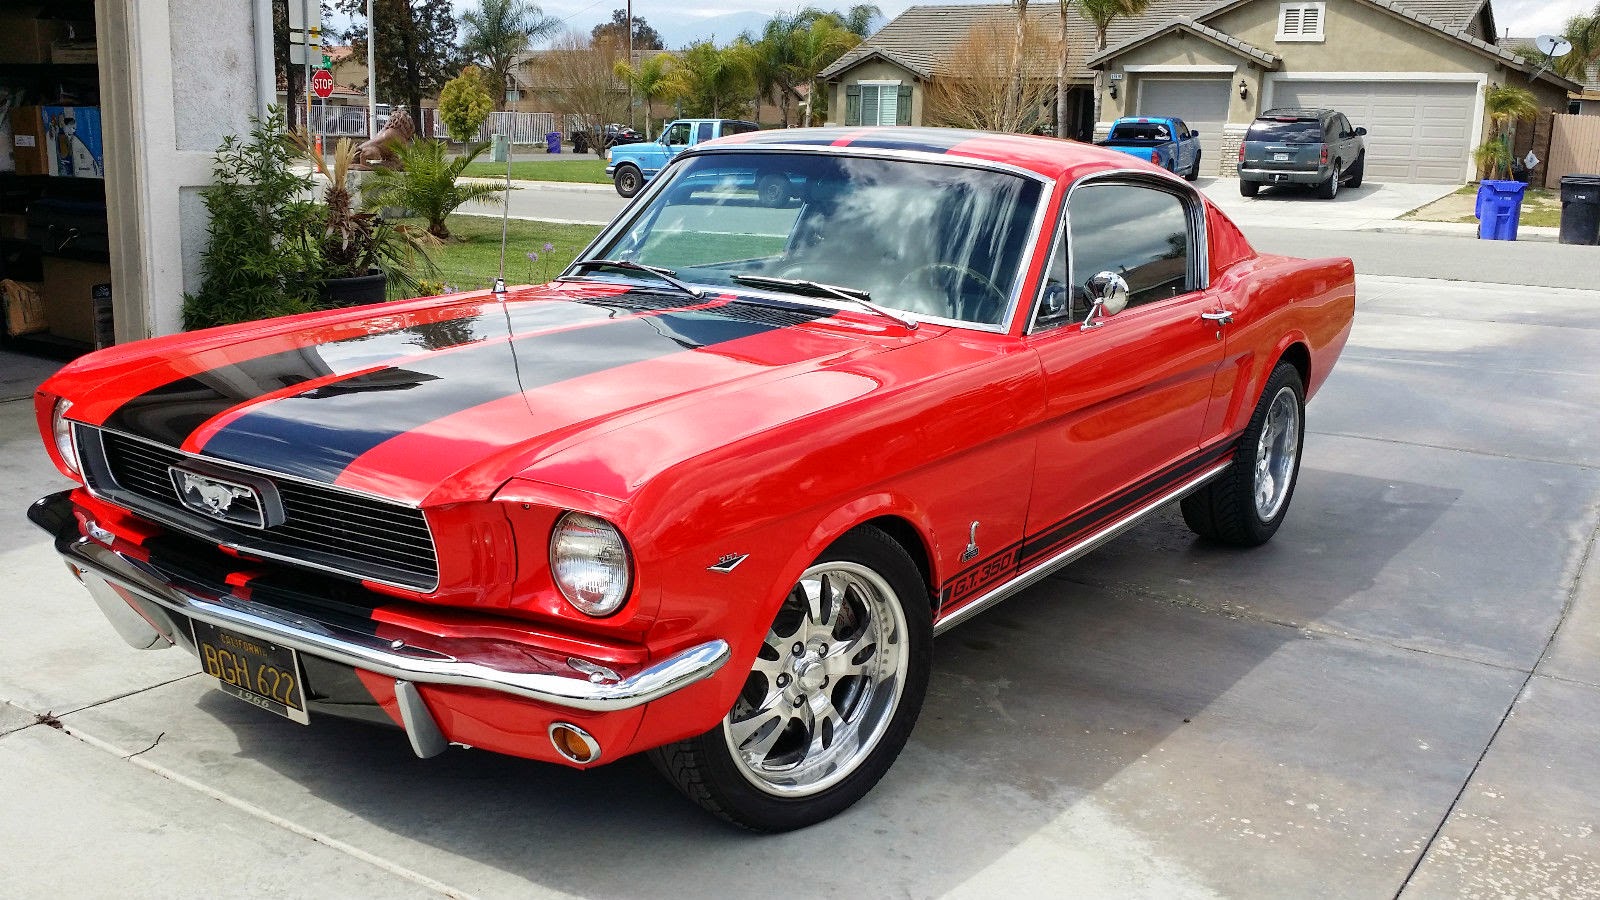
(322, 83)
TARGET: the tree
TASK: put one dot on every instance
(1102, 13)
(498, 32)
(651, 80)
(858, 19)
(581, 76)
(1584, 34)
(464, 104)
(427, 181)
(713, 81)
(978, 87)
(815, 48)
(1503, 104)
(416, 50)
(616, 31)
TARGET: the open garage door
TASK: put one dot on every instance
(1200, 102)
(1417, 131)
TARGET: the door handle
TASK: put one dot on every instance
(1221, 317)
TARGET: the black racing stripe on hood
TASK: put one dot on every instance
(170, 413)
(316, 435)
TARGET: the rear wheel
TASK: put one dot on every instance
(628, 180)
(830, 700)
(1194, 168)
(773, 190)
(1248, 188)
(1330, 189)
(1358, 170)
(1246, 503)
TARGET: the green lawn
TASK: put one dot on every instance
(471, 257)
(590, 170)
(1540, 207)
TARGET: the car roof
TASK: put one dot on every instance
(1048, 157)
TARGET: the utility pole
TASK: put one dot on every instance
(631, 118)
(372, 74)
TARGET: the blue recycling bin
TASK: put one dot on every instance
(1499, 208)
(552, 141)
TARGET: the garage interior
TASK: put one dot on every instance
(55, 273)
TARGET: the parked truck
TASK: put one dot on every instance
(1165, 141)
(633, 165)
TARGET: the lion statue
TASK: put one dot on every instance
(379, 150)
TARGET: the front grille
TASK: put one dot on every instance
(324, 528)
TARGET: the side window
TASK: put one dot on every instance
(678, 134)
(1344, 126)
(704, 131)
(1138, 232)
(1183, 128)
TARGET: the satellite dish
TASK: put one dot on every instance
(1552, 47)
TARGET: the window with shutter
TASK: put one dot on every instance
(881, 103)
(1301, 21)
(903, 106)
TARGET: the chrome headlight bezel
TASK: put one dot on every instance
(61, 436)
(590, 564)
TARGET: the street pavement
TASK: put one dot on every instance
(1399, 696)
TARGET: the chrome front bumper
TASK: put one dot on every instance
(140, 611)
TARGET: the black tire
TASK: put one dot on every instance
(1248, 188)
(1358, 171)
(749, 789)
(628, 180)
(1194, 168)
(1329, 189)
(1228, 509)
(773, 190)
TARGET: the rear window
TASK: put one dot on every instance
(1304, 131)
(1140, 132)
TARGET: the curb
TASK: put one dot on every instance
(573, 187)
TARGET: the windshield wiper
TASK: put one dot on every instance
(796, 286)
(667, 275)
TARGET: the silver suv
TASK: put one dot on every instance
(1302, 146)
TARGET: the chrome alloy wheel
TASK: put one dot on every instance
(825, 684)
(1276, 453)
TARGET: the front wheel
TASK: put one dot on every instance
(628, 180)
(832, 696)
(1358, 171)
(1246, 503)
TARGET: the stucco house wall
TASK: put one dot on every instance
(874, 69)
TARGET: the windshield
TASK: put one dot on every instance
(937, 241)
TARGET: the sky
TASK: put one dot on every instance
(1524, 18)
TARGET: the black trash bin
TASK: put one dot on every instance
(1580, 209)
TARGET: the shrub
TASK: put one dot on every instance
(426, 183)
(465, 104)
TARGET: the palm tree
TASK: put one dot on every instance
(1584, 34)
(651, 80)
(1503, 104)
(499, 31)
(709, 78)
(814, 48)
(1102, 13)
(426, 182)
(858, 19)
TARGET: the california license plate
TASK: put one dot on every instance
(255, 671)
(1280, 157)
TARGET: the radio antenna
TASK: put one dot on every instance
(505, 218)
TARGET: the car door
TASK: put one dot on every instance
(677, 138)
(1127, 394)
(1185, 144)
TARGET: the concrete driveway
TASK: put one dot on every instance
(1400, 695)
(1375, 204)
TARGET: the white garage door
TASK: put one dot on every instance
(1202, 103)
(1416, 131)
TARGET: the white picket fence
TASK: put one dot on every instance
(522, 127)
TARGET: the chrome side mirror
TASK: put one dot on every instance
(1108, 295)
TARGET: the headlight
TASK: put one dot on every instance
(589, 561)
(61, 432)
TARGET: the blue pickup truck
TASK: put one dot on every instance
(1165, 141)
(633, 165)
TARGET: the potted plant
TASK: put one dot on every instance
(258, 252)
(361, 254)
(426, 183)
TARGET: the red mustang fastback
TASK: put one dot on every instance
(814, 397)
